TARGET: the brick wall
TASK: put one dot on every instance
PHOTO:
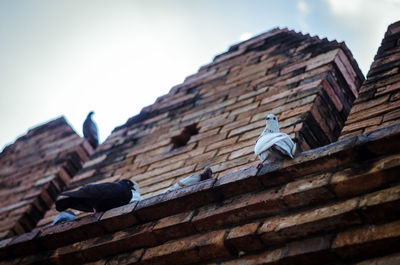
(215, 116)
(378, 104)
(33, 170)
(337, 204)
(334, 204)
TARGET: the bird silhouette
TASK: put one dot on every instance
(90, 131)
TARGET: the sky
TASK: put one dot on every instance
(116, 57)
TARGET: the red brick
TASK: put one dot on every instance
(309, 251)
(365, 177)
(126, 258)
(373, 112)
(393, 259)
(177, 201)
(73, 231)
(138, 236)
(307, 191)
(119, 218)
(270, 257)
(238, 182)
(382, 205)
(239, 209)
(362, 124)
(188, 250)
(225, 143)
(368, 241)
(244, 239)
(175, 226)
(24, 244)
(36, 259)
(69, 254)
(323, 219)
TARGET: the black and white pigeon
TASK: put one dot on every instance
(64, 217)
(206, 174)
(273, 145)
(90, 131)
(98, 197)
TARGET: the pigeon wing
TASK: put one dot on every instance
(286, 146)
(101, 196)
(90, 131)
(267, 140)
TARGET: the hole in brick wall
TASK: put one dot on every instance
(184, 137)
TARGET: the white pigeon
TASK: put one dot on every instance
(273, 145)
(135, 193)
(206, 174)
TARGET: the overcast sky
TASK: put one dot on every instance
(115, 57)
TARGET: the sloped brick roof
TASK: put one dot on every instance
(34, 170)
(220, 111)
(378, 105)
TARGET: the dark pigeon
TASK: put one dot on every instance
(64, 217)
(97, 197)
(90, 131)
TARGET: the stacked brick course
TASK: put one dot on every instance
(309, 210)
(378, 104)
(33, 170)
(214, 117)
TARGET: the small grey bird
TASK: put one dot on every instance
(90, 131)
(98, 197)
(273, 145)
(64, 217)
(206, 174)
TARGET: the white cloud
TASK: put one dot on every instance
(369, 19)
(303, 7)
(346, 7)
(245, 36)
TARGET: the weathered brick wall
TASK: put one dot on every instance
(33, 170)
(378, 104)
(214, 117)
(337, 204)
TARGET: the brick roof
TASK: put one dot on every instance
(33, 170)
(336, 202)
(378, 105)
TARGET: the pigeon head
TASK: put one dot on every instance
(206, 174)
(90, 114)
(131, 184)
(272, 124)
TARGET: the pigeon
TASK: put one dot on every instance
(206, 174)
(273, 145)
(64, 217)
(98, 197)
(90, 131)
